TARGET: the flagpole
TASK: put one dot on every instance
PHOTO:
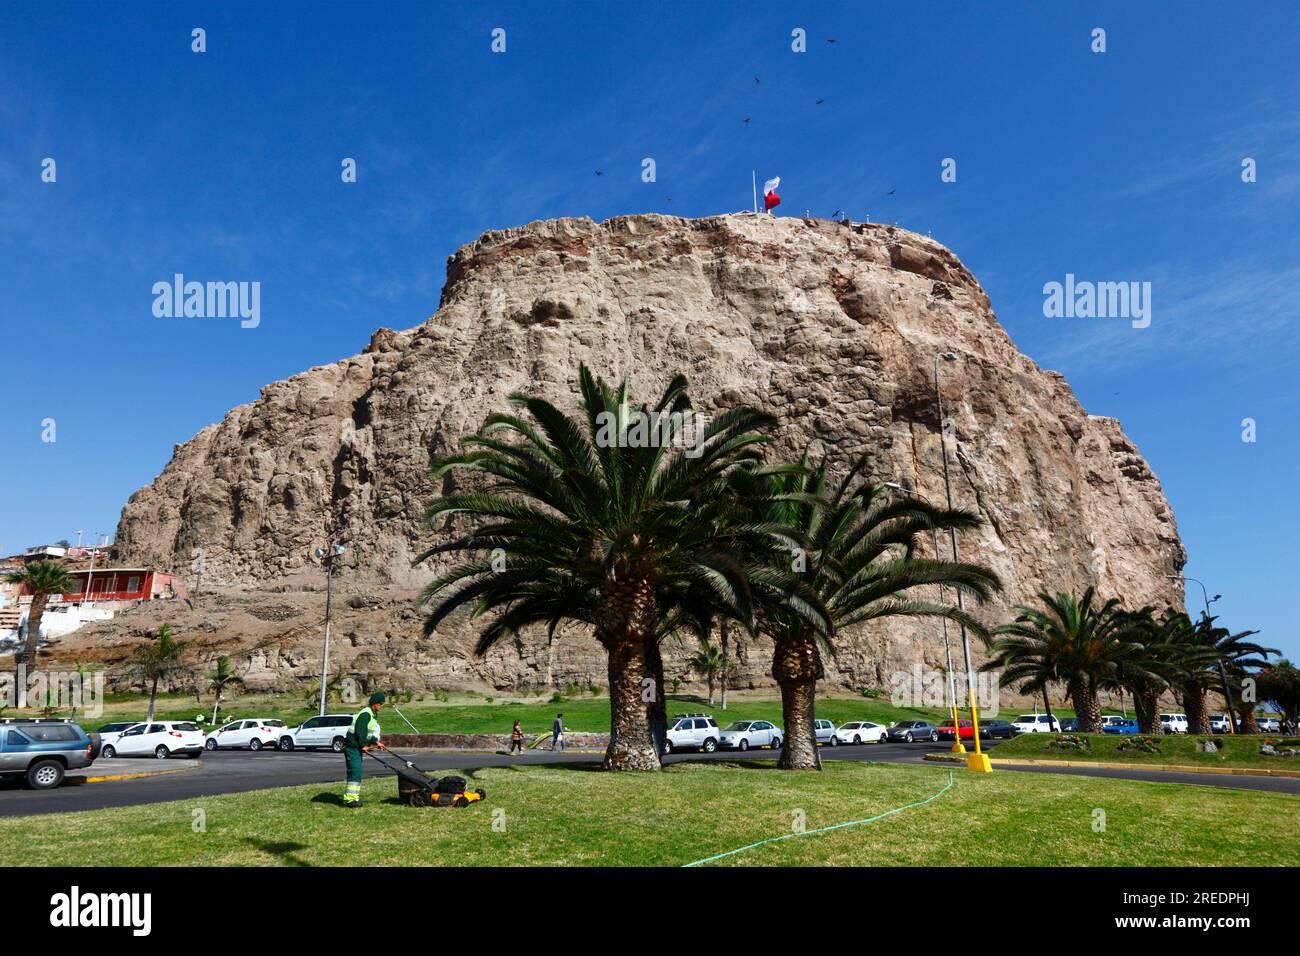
(754, 174)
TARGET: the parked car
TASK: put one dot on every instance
(1269, 725)
(1174, 723)
(110, 732)
(161, 739)
(1121, 726)
(743, 734)
(39, 751)
(1070, 725)
(328, 730)
(964, 727)
(910, 730)
(1108, 719)
(824, 732)
(1219, 724)
(992, 729)
(1036, 724)
(860, 732)
(692, 732)
(253, 733)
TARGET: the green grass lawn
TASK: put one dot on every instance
(1180, 750)
(580, 816)
(465, 714)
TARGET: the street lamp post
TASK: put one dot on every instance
(978, 760)
(1223, 674)
(327, 556)
(958, 747)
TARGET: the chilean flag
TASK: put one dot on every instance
(770, 199)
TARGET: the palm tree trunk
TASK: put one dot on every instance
(797, 665)
(1047, 706)
(631, 746)
(725, 662)
(1146, 707)
(1198, 717)
(34, 629)
(711, 676)
(1249, 725)
(216, 705)
(153, 698)
(1086, 707)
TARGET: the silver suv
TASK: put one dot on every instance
(692, 732)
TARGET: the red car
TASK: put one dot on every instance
(965, 728)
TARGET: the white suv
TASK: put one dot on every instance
(1173, 723)
(327, 731)
(1036, 724)
(161, 739)
(254, 734)
(693, 731)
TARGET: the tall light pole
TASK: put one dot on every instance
(978, 760)
(1223, 674)
(958, 747)
(327, 557)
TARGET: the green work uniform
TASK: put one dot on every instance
(363, 732)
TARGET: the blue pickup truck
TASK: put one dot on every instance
(39, 751)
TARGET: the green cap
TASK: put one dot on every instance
(377, 697)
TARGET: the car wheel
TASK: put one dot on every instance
(337, 745)
(908, 737)
(835, 741)
(934, 737)
(776, 743)
(882, 739)
(857, 739)
(161, 752)
(108, 752)
(710, 745)
(44, 774)
(286, 743)
(744, 745)
(209, 744)
(668, 746)
(255, 745)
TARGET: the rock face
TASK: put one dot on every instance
(833, 327)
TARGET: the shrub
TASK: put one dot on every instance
(1070, 742)
(1146, 745)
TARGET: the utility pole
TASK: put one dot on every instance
(1223, 675)
(327, 557)
(978, 760)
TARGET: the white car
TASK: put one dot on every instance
(1036, 724)
(861, 732)
(109, 733)
(1173, 723)
(254, 733)
(1269, 725)
(692, 732)
(1112, 720)
(744, 734)
(161, 739)
(325, 731)
(1219, 724)
(824, 732)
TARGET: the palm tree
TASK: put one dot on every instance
(335, 686)
(42, 578)
(1238, 660)
(1070, 641)
(1152, 667)
(219, 678)
(1203, 649)
(605, 519)
(707, 662)
(1279, 684)
(157, 661)
(860, 561)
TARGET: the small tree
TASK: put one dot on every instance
(157, 661)
(221, 677)
(42, 578)
(707, 662)
(1279, 684)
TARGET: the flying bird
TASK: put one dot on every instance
(890, 193)
(819, 102)
(757, 80)
(830, 39)
(747, 119)
(600, 172)
(837, 212)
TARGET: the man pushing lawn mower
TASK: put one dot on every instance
(362, 735)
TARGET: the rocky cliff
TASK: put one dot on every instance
(834, 327)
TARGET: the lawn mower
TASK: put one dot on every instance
(417, 789)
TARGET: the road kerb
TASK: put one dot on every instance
(139, 774)
(1164, 768)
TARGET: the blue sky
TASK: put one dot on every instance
(1123, 165)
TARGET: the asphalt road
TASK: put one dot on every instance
(238, 771)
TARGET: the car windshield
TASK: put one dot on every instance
(273, 723)
(185, 726)
(851, 727)
(1025, 719)
(739, 725)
